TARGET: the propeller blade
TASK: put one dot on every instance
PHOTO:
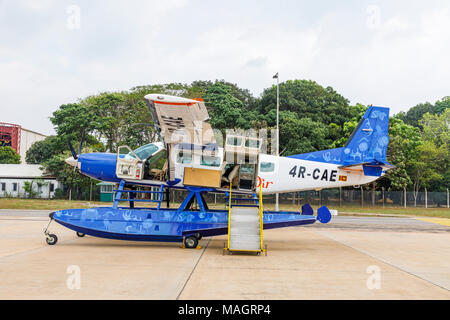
(81, 142)
(72, 150)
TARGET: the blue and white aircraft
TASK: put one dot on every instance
(189, 157)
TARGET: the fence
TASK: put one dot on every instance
(356, 197)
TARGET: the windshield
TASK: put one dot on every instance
(144, 152)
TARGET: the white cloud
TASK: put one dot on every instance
(399, 59)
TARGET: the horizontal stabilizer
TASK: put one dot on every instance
(374, 168)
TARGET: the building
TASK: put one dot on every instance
(107, 191)
(18, 138)
(14, 176)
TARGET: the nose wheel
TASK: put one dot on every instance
(50, 238)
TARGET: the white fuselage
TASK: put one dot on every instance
(292, 175)
(277, 174)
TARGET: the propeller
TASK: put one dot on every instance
(72, 150)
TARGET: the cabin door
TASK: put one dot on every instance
(128, 165)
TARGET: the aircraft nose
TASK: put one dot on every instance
(71, 161)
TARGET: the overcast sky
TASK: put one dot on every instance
(387, 53)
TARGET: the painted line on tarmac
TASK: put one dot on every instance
(383, 261)
(441, 221)
(193, 269)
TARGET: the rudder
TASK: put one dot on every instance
(370, 139)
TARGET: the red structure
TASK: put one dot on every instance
(10, 135)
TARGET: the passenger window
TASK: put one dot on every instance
(14, 186)
(211, 161)
(3, 186)
(234, 141)
(267, 167)
(184, 157)
(252, 143)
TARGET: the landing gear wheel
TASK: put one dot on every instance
(191, 242)
(81, 235)
(51, 239)
(198, 236)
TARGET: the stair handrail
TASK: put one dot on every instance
(261, 209)
(229, 218)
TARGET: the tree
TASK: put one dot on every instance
(301, 135)
(66, 174)
(404, 141)
(415, 114)
(425, 169)
(30, 191)
(357, 111)
(43, 150)
(9, 156)
(225, 110)
(307, 99)
(436, 137)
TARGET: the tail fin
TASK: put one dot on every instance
(366, 146)
(369, 141)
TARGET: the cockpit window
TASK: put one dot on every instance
(145, 151)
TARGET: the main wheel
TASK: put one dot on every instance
(81, 235)
(51, 239)
(191, 242)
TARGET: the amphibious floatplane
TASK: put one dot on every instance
(190, 158)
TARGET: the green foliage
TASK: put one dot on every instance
(41, 151)
(301, 135)
(225, 110)
(357, 111)
(9, 156)
(415, 114)
(30, 190)
(402, 151)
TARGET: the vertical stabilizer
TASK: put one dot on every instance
(369, 141)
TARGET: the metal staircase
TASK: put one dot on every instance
(245, 225)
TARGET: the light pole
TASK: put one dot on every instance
(278, 131)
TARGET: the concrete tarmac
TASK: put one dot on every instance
(350, 258)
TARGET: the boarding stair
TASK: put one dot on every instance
(245, 224)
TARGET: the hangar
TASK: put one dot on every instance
(18, 138)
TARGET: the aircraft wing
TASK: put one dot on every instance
(180, 120)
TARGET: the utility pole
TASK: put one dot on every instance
(448, 200)
(278, 132)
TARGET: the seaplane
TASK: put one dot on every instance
(190, 156)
